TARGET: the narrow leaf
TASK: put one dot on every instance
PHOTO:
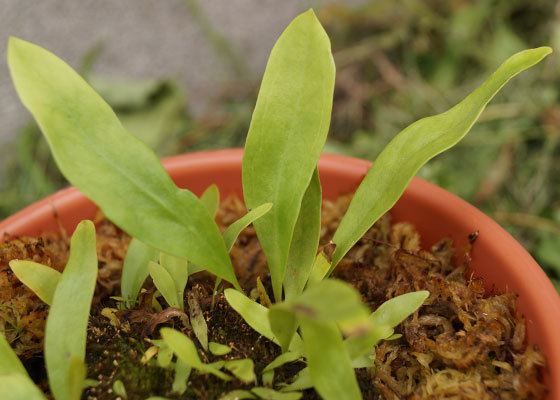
(396, 310)
(9, 361)
(302, 381)
(66, 328)
(414, 146)
(185, 350)
(219, 349)
(238, 395)
(179, 271)
(42, 280)
(284, 324)
(287, 134)
(182, 373)
(164, 355)
(281, 360)
(19, 387)
(198, 321)
(76, 377)
(164, 283)
(233, 231)
(305, 241)
(271, 394)
(211, 199)
(329, 364)
(256, 317)
(263, 295)
(358, 345)
(135, 269)
(319, 270)
(243, 370)
(98, 156)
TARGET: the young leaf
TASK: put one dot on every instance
(164, 354)
(263, 295)
(319, 270)
(219, 349)
(19, 387)
(42, 280)
(135, 269)
(164, 283)
(396, 310)
(66, 328)
(211, 199)
(305, 241)
(363, 344)
(76, 377)
(242, 369)
(271, 394)
(238, 395)
(185, 350)
(302, 381)
(182, 373)
(414, 146)
(284, 324)
(329, 364)
(198, 321)
(97, 155)
(256, 317)
(287, 134)
(233, 231)
(9, 361)
(179, 271)
(281, 360)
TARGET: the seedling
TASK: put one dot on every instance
(314, 319)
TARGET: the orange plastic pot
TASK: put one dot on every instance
(496, 256)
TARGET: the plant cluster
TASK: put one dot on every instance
(313, 318)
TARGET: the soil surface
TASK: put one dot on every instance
(461, 344)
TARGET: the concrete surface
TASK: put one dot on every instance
(142, 39)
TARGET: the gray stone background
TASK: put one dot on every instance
(143, 39)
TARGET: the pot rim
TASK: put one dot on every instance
(544, 305)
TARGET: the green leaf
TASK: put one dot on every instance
(185, 350)
(182, 373)
(119, 389)
(330, 301)
(42, 280)
(281, 360)
(97, 155)
(66, 328)
(76, 377)
(238, 395)
(198, 321)
(256, 317)
(19, 387)
(287, 134)
(305, 241)
(284, 324)
(414, 146)
(219, 349)
(135, 269)
(164, 355)
(164, 283)
(319, 270)
(302, 381)
(179, 271)
(233, 231)
(396, 310)
(9, 361)
(243, 369)
(252, 312)
(271, 394)
(211, 199)
(329, 364)
(363, 344)
(263, 295)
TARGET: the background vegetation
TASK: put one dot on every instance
(396, 62)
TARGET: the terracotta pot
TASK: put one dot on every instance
(496, 256)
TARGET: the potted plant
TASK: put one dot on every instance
(318, 320)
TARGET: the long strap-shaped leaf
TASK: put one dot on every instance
(66, 330)
(413, 147)
(110, 166)
(287, 134)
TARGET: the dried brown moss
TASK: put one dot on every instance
(461, 344)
